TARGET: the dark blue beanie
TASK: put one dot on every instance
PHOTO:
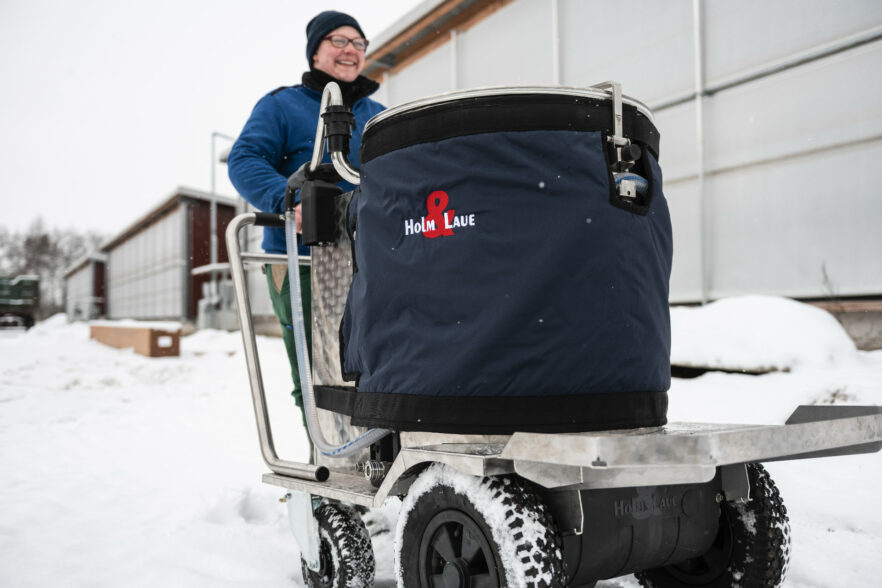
(322, 24)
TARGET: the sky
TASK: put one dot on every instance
(107, 106)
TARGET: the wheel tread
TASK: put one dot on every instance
(346, 538)
(533, 559)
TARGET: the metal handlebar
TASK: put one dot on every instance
(331, 96)
(264, 429)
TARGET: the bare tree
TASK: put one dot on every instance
(47, 253)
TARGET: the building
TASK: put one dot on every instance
(149, 265)
(159, 268)
(770, 116)
(84, 288)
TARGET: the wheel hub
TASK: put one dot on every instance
(455, 553)
(454, 576)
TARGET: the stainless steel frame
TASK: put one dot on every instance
(264, 429)
(679, 453)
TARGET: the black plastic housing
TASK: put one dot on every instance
(318, 199)
(339, 122)
(626, 530)
(269, 219)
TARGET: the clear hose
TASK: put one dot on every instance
(312, 423)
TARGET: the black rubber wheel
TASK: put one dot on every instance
(347, 557)
(752, 547)
(458, 531)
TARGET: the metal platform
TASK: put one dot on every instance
(679, 453)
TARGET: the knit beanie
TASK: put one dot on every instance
(322, 24)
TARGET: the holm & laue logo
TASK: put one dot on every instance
(438, 222)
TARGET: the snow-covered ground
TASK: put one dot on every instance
(120, 470)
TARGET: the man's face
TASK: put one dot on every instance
(344, 63)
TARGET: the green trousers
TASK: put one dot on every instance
(280, 294)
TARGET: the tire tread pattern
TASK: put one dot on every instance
(346, 541)
(533, 555)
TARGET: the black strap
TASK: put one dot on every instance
(507, 112)
(501, 415)
(338, 399)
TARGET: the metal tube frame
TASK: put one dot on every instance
(331, 96)
(264, 429)
(704, 209)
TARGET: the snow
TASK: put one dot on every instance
(123, 470)
(756, 333)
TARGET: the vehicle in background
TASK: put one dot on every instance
(19, 301)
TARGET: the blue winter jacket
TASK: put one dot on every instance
(277, 139)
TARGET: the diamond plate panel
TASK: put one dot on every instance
(331, 277)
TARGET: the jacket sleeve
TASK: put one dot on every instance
(257, 155)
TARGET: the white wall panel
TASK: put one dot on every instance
(433, 75)
(678, 147)
(512, 46)
(381, 95)
(744, 34)
(145, 276)
(79, 293)
(645, 44)
(813, 106)
(776, 225)
(684, 205)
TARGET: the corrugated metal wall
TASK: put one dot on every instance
(769, 172)
(79, 284)
(147, 274)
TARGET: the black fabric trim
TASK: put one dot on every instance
(352, 91)
(502, 415)
(335, 398)
(511, 112)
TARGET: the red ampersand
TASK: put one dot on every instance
(435, 205)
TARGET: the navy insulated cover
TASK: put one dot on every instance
(498, 289)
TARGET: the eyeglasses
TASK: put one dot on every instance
(339, 41)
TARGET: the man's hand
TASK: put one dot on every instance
(298, 218)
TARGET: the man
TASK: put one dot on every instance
(278, 138)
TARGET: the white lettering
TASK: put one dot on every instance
(447, 224)
(425, 225)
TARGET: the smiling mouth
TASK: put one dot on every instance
(340, 62)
